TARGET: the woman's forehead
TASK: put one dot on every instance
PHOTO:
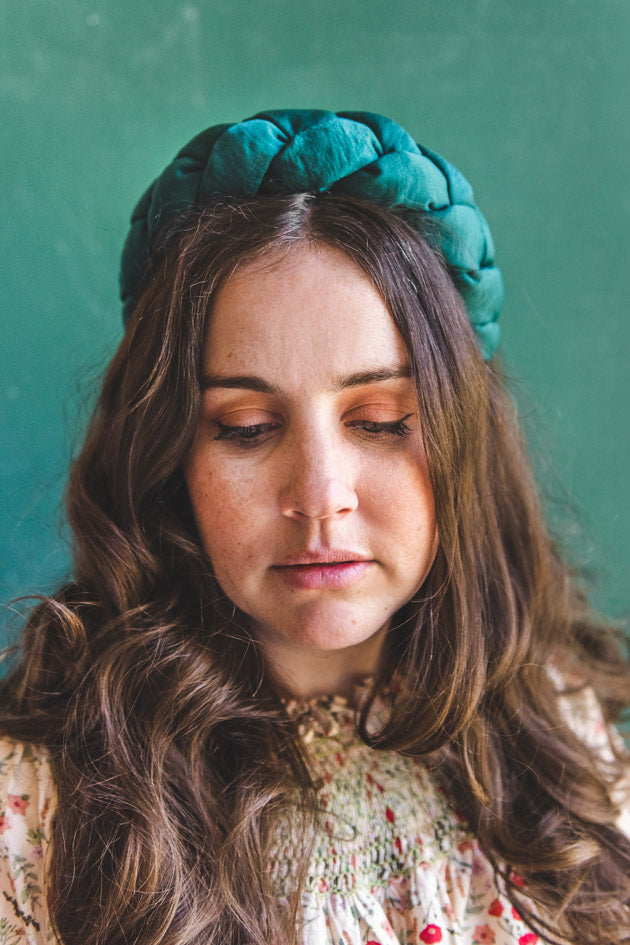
(311, 310)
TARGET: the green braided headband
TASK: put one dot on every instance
(290, 151)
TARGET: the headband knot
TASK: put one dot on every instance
(355, 153)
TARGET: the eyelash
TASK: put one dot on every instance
(250, 435)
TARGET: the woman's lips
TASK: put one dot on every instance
(323, 574)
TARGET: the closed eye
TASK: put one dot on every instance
(255, 433)
(245, 435)
(382, 428)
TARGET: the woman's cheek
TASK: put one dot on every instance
(225, 507)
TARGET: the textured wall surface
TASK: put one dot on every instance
(530, 100)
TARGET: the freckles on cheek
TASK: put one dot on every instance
(224, 513)
(407, 487)
(403, 505)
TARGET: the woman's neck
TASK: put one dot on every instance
(303, 673)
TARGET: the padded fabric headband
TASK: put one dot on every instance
(358, 153)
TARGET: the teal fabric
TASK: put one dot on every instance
(297, 150)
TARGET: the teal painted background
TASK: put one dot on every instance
(531, 100)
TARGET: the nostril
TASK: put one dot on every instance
(319, 500)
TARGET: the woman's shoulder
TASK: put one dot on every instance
(26, 808)
(26, 786)
(582, 712)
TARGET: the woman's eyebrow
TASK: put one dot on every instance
(372, 377)
(244, 381)
(261, 386)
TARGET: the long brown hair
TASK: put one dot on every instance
(172, 754)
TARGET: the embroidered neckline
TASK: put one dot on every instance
(322, 716)
(325, 716)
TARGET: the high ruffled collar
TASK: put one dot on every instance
(326, 716)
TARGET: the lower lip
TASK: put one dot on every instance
(313, 576)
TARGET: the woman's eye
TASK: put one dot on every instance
(245, 435)
(382, 428)
(256, 433)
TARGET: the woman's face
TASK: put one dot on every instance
(308, 478)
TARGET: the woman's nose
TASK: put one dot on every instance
(319, 480)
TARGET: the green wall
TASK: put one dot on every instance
(530, 99)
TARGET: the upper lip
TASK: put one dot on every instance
(321, 556)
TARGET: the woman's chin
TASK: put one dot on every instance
(321, 627)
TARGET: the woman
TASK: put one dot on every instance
(320, 676)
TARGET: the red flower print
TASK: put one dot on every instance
(516, 915)
(517, 879)
(495, 907)
(433, 933)
(483, 935)
(373, 942)
(389, 813)
(528, 939)
(398, 845)
(4, 823)
(18, 804)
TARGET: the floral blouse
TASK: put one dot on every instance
(393, 862)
